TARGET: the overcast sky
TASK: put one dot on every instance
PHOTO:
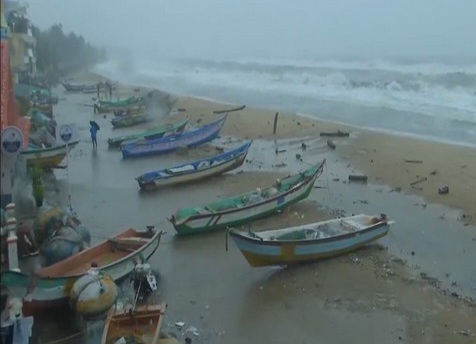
(247, 28)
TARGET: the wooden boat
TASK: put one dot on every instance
(115, 257)
(133, 110)
(119, 103)
(200, 169)
(168, 144)
(47, 157)
(79, 87)
(129, 120)
(241, 209)
(309, 242)
(140, 325)
(156, 133)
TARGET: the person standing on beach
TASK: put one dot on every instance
(93, 130)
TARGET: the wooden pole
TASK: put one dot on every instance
(275, 122)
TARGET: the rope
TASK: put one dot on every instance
(64, 338)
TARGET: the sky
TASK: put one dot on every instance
(287, 28)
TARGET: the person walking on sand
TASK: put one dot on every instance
(93, 130)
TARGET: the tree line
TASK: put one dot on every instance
(59, 54)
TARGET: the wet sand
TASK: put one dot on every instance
(413, 286)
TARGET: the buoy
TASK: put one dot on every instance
(93, 294)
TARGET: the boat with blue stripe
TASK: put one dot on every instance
(309, 242)
(199, 169)
(188, 139)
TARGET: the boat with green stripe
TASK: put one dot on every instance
(253, 205)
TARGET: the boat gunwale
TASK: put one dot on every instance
(267, 242)
(242, 152)
(302, 183)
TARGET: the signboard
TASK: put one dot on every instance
(65, 133)
(12, 140)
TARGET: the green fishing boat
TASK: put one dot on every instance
(156, 133)
(241, 209)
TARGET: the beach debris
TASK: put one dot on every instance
(337, 133)
(277, 151)
(275, 123)
(443, 190)
(362, 201)
(433, 173)
(417, 188)
(331, 144)
(179, 324)
(358, 178)
(303, 146)
(397, 189)
(299, 157)
(281, 164)
(193, 330)
(413, 161)
(335, 179)
(229, 110)
(466, 333)
(421, 180)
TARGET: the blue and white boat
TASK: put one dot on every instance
(200, 169)
(193, 138)
(310, 242)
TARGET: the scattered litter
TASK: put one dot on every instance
(179, 324)
(303, 146)
(433, 172)
(277, 151)
(281, 164)
(358, 178)
(419, 181)
(299, 157)
(335, 179)
(466, 333)
(337, 133)
(193, 330)
(443, 190)
(331, 144)
(414, 161)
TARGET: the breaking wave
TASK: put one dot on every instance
(435, 91)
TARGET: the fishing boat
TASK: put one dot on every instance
(79, 87)
(118, 103)
(193, 138)
(241, 209)
(156, 133)
(47, 157)
(139, 325)
(129, 120)
(115, 257)
(133, 110)
(309, 242)
(200, 169)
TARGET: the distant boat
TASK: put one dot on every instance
(47, 157)
(140, 325)
(156, 133)
(85, 88)
(129, 120)
(115, 257)
(241, 209)
(199, 169)
(309, 242)
(168, 144)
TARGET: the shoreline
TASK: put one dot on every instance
(383, 167)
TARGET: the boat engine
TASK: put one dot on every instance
(143, 280)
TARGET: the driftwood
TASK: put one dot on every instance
(275, 124)
(337, 133)
(230, 110)
(414, 161)
(331, 144)
(424, 179)
(358, 178)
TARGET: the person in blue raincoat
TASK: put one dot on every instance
(93, 130)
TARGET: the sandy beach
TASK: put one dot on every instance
(416, 285)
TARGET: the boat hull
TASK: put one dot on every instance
(129, 120)
(238, 218)
(172, 143)
(44, 291)
(214, 170)
(269, 253)
(48, 157)
(149, 135)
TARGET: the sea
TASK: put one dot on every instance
(429, 98)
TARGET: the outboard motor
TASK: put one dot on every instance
(143, 280)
